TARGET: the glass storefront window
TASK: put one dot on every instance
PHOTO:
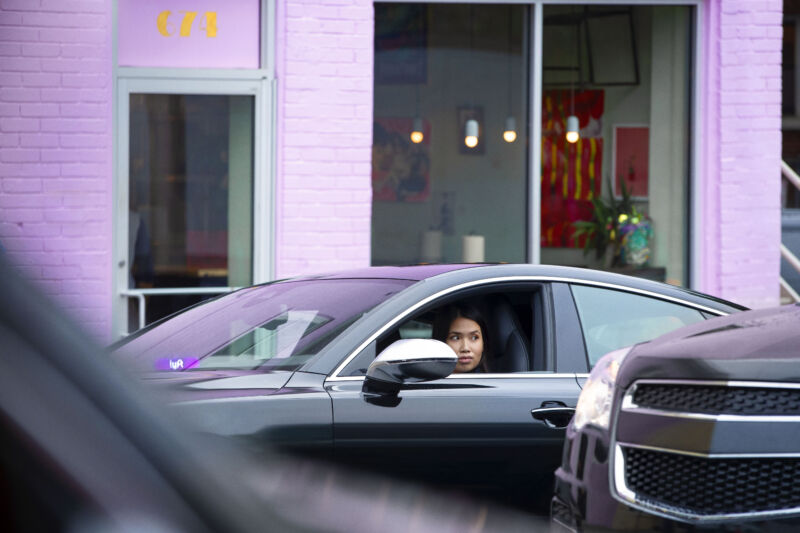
(190, 195)
(624, 73)
(440, 70)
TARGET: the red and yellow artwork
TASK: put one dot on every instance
(571, 172)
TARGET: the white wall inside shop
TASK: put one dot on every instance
(669, 142)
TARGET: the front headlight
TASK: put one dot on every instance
(594, 403)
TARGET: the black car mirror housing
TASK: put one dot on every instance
(409, 361)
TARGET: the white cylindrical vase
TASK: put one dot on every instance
(431, 250)
(472, 247)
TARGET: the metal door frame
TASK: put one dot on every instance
(145, 81)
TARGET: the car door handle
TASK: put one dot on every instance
(554, 417)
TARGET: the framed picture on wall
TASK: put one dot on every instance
(611, 45)
(631, 159)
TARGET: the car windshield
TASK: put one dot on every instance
(272, 327)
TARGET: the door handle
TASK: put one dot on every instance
(554, 417)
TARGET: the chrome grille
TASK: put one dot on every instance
(707, 486)
(718, 399)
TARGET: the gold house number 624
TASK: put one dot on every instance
(167, 28)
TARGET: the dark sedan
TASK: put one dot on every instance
(307, 363)
(698, 429)
(83, 450)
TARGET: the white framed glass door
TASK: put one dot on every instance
(193, 194)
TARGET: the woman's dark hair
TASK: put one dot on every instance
(445, 318)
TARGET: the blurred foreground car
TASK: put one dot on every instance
(698, 429)
(286, 363)
(83, 451)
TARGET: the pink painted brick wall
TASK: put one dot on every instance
(740, 219)
(324, 52)
(56, 145)
(56, 149)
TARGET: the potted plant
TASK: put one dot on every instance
(617, 232)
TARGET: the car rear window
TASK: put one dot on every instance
(276, 327)
(613, 319)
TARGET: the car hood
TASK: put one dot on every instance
(212, 384)
(761, 345)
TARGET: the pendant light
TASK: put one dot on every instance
(416, 131)
(573, 125)
(471, 133)
(510, 132)
(573, 133)
(471, 128)
(416, 127)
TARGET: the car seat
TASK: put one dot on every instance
(509, 347)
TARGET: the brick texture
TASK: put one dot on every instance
(55, 151)
(324, 192)
(56, 145)
(740, 185)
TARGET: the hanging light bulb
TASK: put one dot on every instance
(471, 133)
(510, 133)
(572, 129)
(573, 126)
(416, 131)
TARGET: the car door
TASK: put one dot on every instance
(471, 431)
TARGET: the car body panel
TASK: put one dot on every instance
(470, 431)
(757, 350)
(298, 414)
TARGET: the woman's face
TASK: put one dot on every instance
(466, 339)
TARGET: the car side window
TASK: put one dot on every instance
(419, 327)
(515, 336)
(612, 319)
(416, 329)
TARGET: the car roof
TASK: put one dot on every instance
(408, 272)
(474, 271)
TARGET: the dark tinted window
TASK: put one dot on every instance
(276, 326)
